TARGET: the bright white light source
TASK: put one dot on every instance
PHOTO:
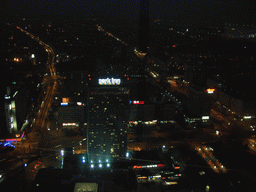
(32, 56)
(100, 165)
(92, 166)
(108, 165)
(79, 103)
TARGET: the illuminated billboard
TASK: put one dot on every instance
(70, 124)
(137, 102)
(109, 81)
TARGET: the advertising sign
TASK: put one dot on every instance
(109, 81)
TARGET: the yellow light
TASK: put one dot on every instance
(210, 91)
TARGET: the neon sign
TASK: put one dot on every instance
(69, 124)
(137, 102)
(109, 81)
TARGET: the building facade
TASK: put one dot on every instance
(107, 121)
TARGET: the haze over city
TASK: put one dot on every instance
(128, 95)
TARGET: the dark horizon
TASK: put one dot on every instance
(214, 11)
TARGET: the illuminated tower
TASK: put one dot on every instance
(144, 25)
(107, 124)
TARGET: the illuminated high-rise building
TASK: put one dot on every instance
(108, 118)
(144, 25)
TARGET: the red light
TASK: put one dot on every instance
(90, 79)
(173, 45)
(89, 75)
(137, 102)
(11, 139)
(177, 167)
(164, 178)
(160, 165)
(125, 75)
(128, 78)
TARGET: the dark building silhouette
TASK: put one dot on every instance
(144, 25)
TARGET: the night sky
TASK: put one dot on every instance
(230, 11)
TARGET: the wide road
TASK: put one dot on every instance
(50, 80)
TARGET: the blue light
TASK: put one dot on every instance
(108, 165)
(92, 166)
(83, 161)
(25, 165)
(100, 165)
(8, 144)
